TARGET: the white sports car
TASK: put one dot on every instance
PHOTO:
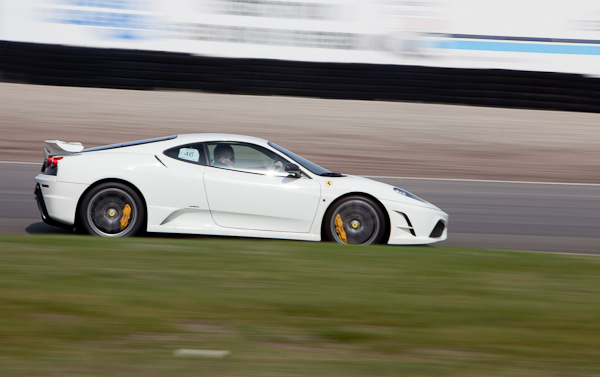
(228, 185)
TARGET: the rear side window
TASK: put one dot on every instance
(193, 153)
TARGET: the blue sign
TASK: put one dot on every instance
(108, 19)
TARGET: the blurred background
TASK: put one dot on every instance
(298, 72)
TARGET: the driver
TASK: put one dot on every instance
(224, 156)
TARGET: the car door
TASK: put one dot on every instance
(255, 193)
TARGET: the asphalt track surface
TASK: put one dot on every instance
(483, 214)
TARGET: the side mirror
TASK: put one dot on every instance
(293, 170)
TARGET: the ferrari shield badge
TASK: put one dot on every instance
(328, 183)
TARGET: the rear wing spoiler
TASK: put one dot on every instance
(63, 148)
(55, 152)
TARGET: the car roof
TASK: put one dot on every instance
(176, 140)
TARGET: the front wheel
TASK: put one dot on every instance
(356, 220)
(112, 210)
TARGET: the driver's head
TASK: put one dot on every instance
(224, 154)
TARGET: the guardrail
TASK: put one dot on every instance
(136, 69)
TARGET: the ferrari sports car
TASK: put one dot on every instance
(227, 185)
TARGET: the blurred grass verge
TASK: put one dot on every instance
(83, 306)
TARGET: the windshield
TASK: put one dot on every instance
(310, 166)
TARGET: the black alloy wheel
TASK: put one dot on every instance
(355, 220)
(112, 210)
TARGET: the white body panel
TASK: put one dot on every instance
(177, 198)
(61, 198)
(261, 202)
(184, 197)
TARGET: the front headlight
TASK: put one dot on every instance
(408, 194)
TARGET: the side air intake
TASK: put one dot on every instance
(438, 230)
(410, 226)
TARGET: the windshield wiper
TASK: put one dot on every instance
(331, 174)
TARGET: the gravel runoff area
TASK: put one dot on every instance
(357, 137)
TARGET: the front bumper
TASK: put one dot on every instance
(416, 225)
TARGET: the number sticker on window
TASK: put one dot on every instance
(189, 154)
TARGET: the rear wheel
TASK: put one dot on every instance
(112, 210)
(356, 220)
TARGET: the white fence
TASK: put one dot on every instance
(533, 35)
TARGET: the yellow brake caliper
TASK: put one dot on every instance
(126, 215)
(339, 228)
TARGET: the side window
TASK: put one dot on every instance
(193, 153)
(244, 157)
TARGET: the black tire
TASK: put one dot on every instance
(112, 210)
(356, 220)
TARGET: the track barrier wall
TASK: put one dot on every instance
(135, 69)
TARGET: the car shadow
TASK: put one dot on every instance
(43, 228)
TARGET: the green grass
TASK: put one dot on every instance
(82, 306)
